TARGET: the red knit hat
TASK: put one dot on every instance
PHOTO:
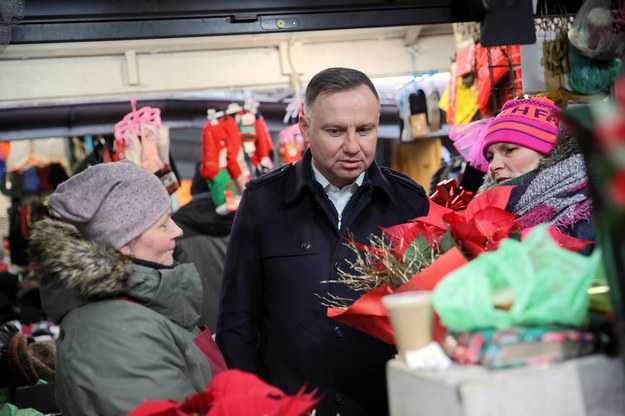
(527, 122)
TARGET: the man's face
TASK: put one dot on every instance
(342, 130)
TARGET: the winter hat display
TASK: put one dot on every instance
(112, 203)
(529, 122)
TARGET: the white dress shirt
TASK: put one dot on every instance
(339, 197)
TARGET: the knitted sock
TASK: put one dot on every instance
(150, 159)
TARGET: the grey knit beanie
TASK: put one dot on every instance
(112, 203)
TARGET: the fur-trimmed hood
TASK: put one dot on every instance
(88, 268)
(75, 271)
(565, 147)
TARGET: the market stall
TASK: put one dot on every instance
(250, 67)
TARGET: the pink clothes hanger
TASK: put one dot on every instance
(131, 123)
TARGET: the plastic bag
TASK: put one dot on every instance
(598, 30)
(533, 282)
(589, 76)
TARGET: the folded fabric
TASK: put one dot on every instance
(518, 346)
(31, 361)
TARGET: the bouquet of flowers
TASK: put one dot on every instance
(416, 256)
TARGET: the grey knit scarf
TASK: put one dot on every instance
(558, 195)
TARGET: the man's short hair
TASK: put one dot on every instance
(335, 79)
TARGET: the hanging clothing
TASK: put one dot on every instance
(25, 154)
(489, 75)
(221, 144)
(256, 142)
(459, 101)
(222, 161)
(419, 159)
(292, 144)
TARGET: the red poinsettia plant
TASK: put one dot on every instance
(234, 393)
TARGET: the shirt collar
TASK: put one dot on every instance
(303, 177)
(325, 183)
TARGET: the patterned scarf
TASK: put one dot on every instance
(558, 195)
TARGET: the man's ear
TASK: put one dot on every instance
(304, 127)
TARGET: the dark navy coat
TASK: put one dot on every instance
(284, 244)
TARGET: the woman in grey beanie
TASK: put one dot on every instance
(128, 313)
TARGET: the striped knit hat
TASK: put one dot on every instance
(528, 122)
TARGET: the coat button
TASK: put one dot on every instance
(339, 398)
(306, 246)
(338, 332)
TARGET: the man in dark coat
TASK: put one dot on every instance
(288, 240)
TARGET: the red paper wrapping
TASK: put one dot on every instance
(429, 277)
(369, 315)
(563, 240)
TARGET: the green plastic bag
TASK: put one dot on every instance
(544, 283)
(8, 409)
(589, 76)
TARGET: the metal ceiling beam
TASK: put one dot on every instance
(97, 20)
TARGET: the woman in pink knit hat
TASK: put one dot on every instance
(526, 146)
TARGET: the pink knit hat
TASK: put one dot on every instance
(527, 122)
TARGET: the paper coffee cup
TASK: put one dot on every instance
(410, 314)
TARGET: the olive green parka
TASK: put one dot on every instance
(127, 328)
